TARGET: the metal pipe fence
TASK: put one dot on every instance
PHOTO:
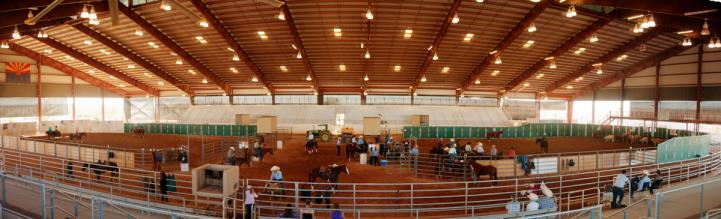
(573, 189)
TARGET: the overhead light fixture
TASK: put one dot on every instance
(455, 19)
(236, 57)
(369, 15)
(4, 45)
(48, 51)
(650, 22)
(254, 79)
(262, 35)
(493, 52)
(152, 44)
(686, 42)
(536, 1)
(637, 28)
(642, 47)
(495, 72)
(552, 65)
(42, 33)
(478, 81)
(341, 67)
(539, 76)
(161, 83)
(281, 15)
(337, 32)
(92, 15)
(423, 79)
(435, 56)
(165, 6)
(593, 39)
(408, 33)
(84, 13)
(569, 87)
(131, 66)
(579, 79)
(479, 1)
(445, 69)
(191, 71)
(234, 70)
(205, 81)
(267, 94)
(622, 57)
(714, 42)
(122, 85)
(468, 37)
(368, 54)
(579, 51)
(532, 28)
(526, 84)
(308, 78)
(415, 93)
(430, 47)
(203, 22)
(283, 68)
(397, 68)
(138, 32)
(528, 44)
(299, 55)
(201, 39)
(599, 71)
(683, 32)
(87, 42)
(705, 31)
(498, 60)
(94, 22)
(571, 12)
(365, 78)
(16, 33)
(178, 61)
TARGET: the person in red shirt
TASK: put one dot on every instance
(511, 153)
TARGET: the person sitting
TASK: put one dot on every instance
(468, 148)
(658, 181)
(479, 149)
(288, 212)
(511, 152)
(533, 203)
(547, 201)
(644, 183)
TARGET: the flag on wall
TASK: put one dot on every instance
(16, 72)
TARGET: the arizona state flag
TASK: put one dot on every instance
(16, 72)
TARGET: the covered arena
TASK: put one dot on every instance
(360, 109)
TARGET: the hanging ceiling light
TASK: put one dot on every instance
(236, 58)
(435, 56)
(92, 15)
(5, 45)
(299, 55)
(532, 28)
(254, 79)
(203, 22)
(368, 54)
(369, 14)
(308, 78)
(593, 39)
(365, 78)
(536, 1)
(30, 14)
(571, 12)
(642, 48)
(718, 43)
(423, 79)
(408, 33)
(478, 81)
(714, 43)
(42, 34)
(479, 1)
(87, 42)
(552, 65)
(165, 6)
(455, 19)
(84, 13)
(233, 69)
(498, 60)
(16, 33)
(704, 30)
(650, 22)
(686, 42)
(637, 28)
(138, 32)
(281, 15)
(341, 67)
(599, 71)
(178, 61)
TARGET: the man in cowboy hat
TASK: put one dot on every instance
(644, 183)
(276, 174)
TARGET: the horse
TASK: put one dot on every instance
(112, 167)
(543, 142)
(656, 141)
(609, 139)
(329, 173)
(78, 136)
(138, 131)
(496, 134)
(263, 152)
(311, 147)
(240, 160)
(633, 139)
(351, 151)
(53, 134)
(97, 168)
(479, 170)
(644, 141)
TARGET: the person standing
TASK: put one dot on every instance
(619, 182)
(307, 212)
(69, 167)
(337, 145)
(164, 187)
(250, 196)
(374, 156)
(230, 156)
(494, 152)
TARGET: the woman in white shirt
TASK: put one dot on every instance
(479, 149)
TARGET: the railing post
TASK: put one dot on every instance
(648, 208)
(52, 203)
(412, 194)
(354, 198)
(700, 211)
(297, 198)
(659, 199)
(42, 200)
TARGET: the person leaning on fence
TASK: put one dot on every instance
(513, 206)
(511, 152)
(468, 148)
(619, 182)
(249, 201)
(414, 151)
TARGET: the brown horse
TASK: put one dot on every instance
(262, 154)
(311, 147)
(329, 173)
(138, 131)
(240, 160)
(53, 134)
(78, 136)
(480, 170)
(496, 134)
(351, 150)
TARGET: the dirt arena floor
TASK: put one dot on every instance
(296, 164)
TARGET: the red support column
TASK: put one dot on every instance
(72, 88)
(40, 93)
(657, 94)
(593, 108)
(699, 72)
(623, 96)
(157, 109)
(569, 111)
(102, 104)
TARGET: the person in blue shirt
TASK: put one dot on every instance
(276, 174)
(644, 183)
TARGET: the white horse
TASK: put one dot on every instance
(609, 139)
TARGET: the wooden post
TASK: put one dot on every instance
(569, 111)
(593, 108)
(72, 88)
(102, 104)
(272, 99)
(40, 92)
(657, 92)
(320, 98)
(699, 72)
(157, 109)
(623, 96)
(363, 98)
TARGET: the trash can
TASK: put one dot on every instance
(363, 158)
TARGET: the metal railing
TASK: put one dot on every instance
(573, 189)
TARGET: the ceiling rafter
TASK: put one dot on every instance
(671, 7)
(96, 64)
(182, 53)
(223, 32)
(68, 70)
(436, 43)
(133, 57)
(631, 70)
(299, 44)
(535, 12)
(565, 47)
(610, 56)
(18, 17)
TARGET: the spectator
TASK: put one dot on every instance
(388, 139)
(414, 151)
(494, 151)
(288, 212)
(69, 168)
(547, 201)
(468, 148)
(533, 203)
(157, 159)
(231, 156)
(337, 145)
(164, 186)
(276, 175)
(452, 143)
(307, 212)
(513, 206)
(658, 180)
(374, 156)
(618, 183)
(479, 149)
(250, 196)
(336, 213)
(310, 136)
(354, 141)
(644, 183)
(511, 152)
(406, 145)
